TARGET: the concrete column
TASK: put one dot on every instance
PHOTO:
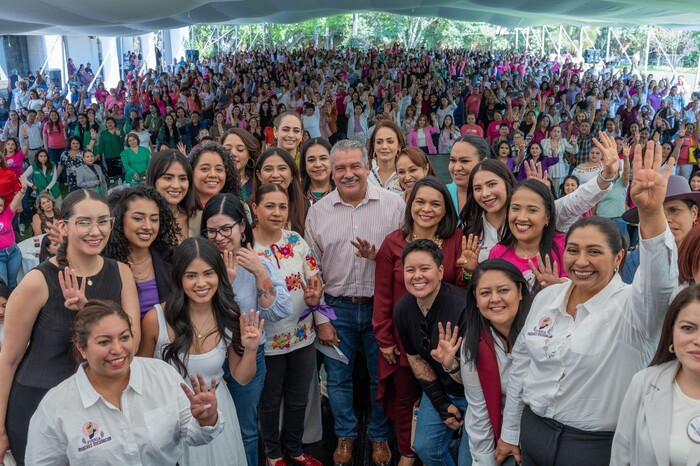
(148, 50)
(111, 58)
(173, 44)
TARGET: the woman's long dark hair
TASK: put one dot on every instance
(251, 144)
(684, 299)
(231, 206)
(297, 201)
(233, 183)
(446, 227)
(158, 166)
(547, 241)
(118, 246)
(476, 323)
(470, 219)
(176, 310)
(305, 179)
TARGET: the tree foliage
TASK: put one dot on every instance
(382, 29)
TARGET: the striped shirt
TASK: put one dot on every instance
(332, 223)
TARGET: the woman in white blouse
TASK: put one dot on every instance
(660, 416)
(584, 339)
(497, 306)
(118, 409)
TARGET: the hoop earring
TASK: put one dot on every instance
(250, 164)
(243, 237)
(670, 348)
(617, 269)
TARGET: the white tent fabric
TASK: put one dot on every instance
(130, 17)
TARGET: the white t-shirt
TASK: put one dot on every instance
(685, 409)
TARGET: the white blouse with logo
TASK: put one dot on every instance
(75, 425)
(577, 371)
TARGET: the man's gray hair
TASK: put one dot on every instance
(345, 145)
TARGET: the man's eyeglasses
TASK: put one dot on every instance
(84, 227)
(225, 231)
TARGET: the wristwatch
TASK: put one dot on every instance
(453, 369)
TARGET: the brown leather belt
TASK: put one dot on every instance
(356, 299)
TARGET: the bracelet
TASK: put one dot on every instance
(607, 180)
(466, 275)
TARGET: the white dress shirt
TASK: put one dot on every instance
(577, 371)
(75, 425)
(477, 422)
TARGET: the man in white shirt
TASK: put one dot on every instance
(32, 139)
(21, 95)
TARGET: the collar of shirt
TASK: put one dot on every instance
(88, 394)
(596, 303)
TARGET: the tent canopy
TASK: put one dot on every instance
(131, 17)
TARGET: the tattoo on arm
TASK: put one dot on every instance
(421, 369)
(267, 289)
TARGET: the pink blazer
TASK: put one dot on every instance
(428, 130)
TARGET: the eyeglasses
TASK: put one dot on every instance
(84, 227)
(225, 231)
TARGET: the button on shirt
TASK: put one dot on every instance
(75, 425)
(332, 223)
(577, 371)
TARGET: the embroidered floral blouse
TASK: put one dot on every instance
(296, 262)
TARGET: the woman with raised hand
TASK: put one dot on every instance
(83, 420)
(198, 327)
(498, 303)
(290, 356)
(257, 284)
(428, 216)
(36, 354)
(658, 421)
(584, 339)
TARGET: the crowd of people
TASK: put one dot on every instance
(213, 225)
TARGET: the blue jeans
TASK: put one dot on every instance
(246, 399)
(55, 155)
(354, 327)
(10, 261)
(432, 437)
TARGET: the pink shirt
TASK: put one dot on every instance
(7, 234)
(500, 251)
(14, 163)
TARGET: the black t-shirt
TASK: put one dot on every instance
(449, 306)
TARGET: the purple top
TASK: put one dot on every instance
(148, 295)
(546, 163)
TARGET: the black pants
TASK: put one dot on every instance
(288, 378)
(546, 442)
(21, 405)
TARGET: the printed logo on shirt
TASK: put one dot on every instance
(92, 436)
(543, 328)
